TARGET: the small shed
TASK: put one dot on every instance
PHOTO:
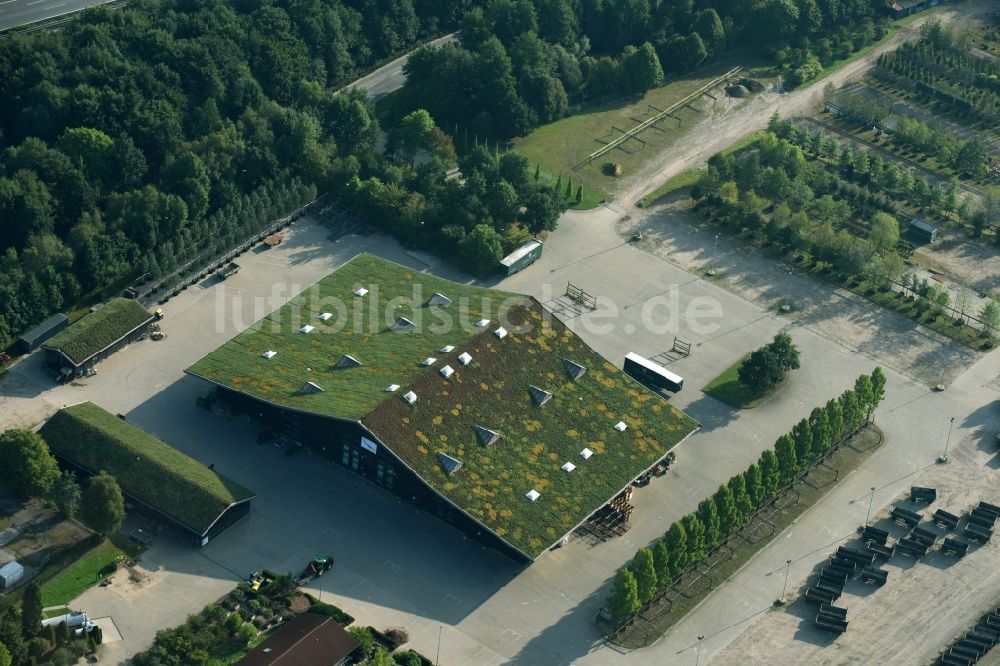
(31, 340)
(522, 257)
(923, 233)
(10, 574)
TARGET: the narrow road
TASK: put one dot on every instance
(14, 13)
(389, 77)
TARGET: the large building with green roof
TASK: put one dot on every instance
(160, 480)
(476, 404)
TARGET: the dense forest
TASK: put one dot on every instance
(520, 63)
(137, 139)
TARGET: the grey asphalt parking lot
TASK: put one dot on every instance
(399, 567)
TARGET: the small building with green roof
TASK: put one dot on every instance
(156, 478)
(477, 405)
(78, 348)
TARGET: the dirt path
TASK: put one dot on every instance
(717, 132)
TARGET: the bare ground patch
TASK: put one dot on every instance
(679, 237)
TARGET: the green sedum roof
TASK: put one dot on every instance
(492, 392)
(535, 441)
(146, 468)
(359, 327)
(99, 329)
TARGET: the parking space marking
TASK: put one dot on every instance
(453, 600)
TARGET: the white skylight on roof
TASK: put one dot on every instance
(428, 361)
(410, 397)
(620, 426)
(586, 453)
(306, 329)
(447, 371)
(447, 348)
(568, 467)
(392, 388)
(439, 299)
(500, 332)
(311, 387)
(360, 291)
(483, 322)
(325, 316)
(403, 324)
(532, 494)
(465, 358)
(269, 354)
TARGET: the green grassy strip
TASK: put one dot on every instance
(83, 574)
(728, 388)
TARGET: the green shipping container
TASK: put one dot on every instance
(522, 257)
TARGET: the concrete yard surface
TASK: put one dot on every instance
(924, 606)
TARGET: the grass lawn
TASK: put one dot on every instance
(727, 388)
(560, 146)
(86, 572)
(645, 631)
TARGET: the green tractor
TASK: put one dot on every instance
(320, 565)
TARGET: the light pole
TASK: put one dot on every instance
(697, 654)
(715, 257)
(871, 501)
(780, 601)
(944, 456)
(788, 293)
(437, 657)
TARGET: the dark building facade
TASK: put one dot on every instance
(353, 446)
(31, 340)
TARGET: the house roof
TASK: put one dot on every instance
(99, 329)
(306, 640)
(923, 226)
(146, 468)
(519, 386)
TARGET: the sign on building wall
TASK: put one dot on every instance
(369, 445)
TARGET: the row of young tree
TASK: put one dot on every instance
(941, 68)
(887, 186)
(967, 156)
(520, 63)
(692, 539)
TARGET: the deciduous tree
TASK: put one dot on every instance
(102, 506)
(624, 599)
(645, 574)
(29, 467)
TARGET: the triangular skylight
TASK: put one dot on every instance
(348, 361)
(447, 348)
(539, 396)
(532, 494)
(483, 322)
(574, 370)
(586, 453)
(311, 387)
(430, 360)
(465, 358)
(439, 299)
(306, 329)
(486, 436)
(410, 397)
(403, 324)
(448, 464)
(269, 354)
(568, 467)
(500, 332)
(360, 291)
(391, 388)
(447, 371)
(621, 426)
(325, 316)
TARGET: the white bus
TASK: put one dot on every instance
(653, 374)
